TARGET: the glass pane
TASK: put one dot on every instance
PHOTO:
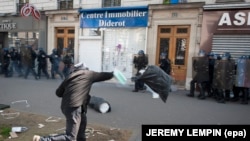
(165, 30)
(182, 30)
(164, 46)
(60, 42)
(111, 3)
(71, 31)
(71, 42)
(181, 44)
(60, 30)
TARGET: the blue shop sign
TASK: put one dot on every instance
(114, 17)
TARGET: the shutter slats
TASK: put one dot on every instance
(236, 45)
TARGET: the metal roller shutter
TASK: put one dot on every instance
(236, 45)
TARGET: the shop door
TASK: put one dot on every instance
(65, 38)
(174, 40)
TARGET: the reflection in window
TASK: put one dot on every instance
(164, 46)
(181, 44)
(22, 39)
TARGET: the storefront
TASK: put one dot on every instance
(21, 31)
(226, 28)
(111, 36)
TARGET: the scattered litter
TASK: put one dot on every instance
(53, 119)
(19, 129)
(40, 125)
(111, 140)
(10, 115)
(114, 128)
(53, 134)
(101, 133)
(61, 129)
(13, 135)
(19, 101)
(1, 111)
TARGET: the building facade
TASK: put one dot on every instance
(178, 27)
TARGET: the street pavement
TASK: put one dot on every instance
(129, 110)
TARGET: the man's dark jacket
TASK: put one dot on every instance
(75, 89)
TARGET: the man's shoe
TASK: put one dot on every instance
(36, 138)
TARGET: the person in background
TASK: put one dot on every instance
(201, 78)
(31, 58)
(68, 62)
(140, 62)
(74, 91)
(42, 63)
(55, 59)
(165, 63)
(15, 62)
(6, 62)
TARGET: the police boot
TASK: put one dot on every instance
(245, 96)
(202, 91)
(191, 94)
(221, 96)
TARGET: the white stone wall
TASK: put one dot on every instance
(8, 6)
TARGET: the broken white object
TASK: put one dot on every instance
(40, 125)
(104, 107)
(155, 95)
(25, 101)
(18, 129)
(10, 115)
(52, 119)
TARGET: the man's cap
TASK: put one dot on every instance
(80, 65)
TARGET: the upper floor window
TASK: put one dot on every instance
(111, 3)
(65, 4)
(23, 1)
(225, 1)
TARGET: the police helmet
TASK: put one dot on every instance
(202, 53)
(226, 56)
(140, 52)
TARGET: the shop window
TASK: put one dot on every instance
(111, 3)
(65, 4)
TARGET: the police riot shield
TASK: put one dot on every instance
(224, 71)
(242, 78)
(200, 70)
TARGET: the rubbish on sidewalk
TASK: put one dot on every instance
(10, 115)
(99, 104)
(19, 101)
(61, 129)
(40, 125)
(3, 106)
(13, 135)
(19, 129)
(53, 119)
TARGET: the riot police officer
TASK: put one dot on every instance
(31, 60)
(6, 62)
(223, 79)
(165, 63)
(140, 62)
(201, 76)
(55, 59)
(242, 79)
(42, 63)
